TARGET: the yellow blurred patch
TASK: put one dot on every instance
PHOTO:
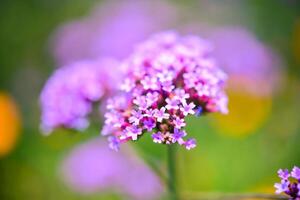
(247, 112)
(265, 189)
(296, 40)
(9, 124)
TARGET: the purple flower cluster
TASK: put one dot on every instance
(69, 94)
(167, 78)
(288, 186)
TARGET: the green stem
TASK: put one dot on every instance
(172, 172)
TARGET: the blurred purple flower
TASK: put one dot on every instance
(92, 168)
(244, 57)
(112, 29)
(68, 96)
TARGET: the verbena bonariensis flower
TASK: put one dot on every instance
(168, 77)
(290, 183)
(68, 96)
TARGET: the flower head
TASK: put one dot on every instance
(170, 78)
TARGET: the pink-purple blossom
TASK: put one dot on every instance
(169, 78)
(67, 98)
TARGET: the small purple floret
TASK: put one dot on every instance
(114, 143)
(284, 174)
(178, 136)
(190, 144)
(157, 137)
(282, 187)
(149, 124)
(199, 111)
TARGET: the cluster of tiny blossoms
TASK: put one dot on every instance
(168, 77)
(68, 96)
(287, 185)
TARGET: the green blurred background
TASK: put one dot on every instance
(240, 152)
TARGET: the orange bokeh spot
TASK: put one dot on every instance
(9, 124)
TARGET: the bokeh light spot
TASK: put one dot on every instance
(9, 124)
(247, 112)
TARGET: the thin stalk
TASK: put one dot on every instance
(171, 162)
